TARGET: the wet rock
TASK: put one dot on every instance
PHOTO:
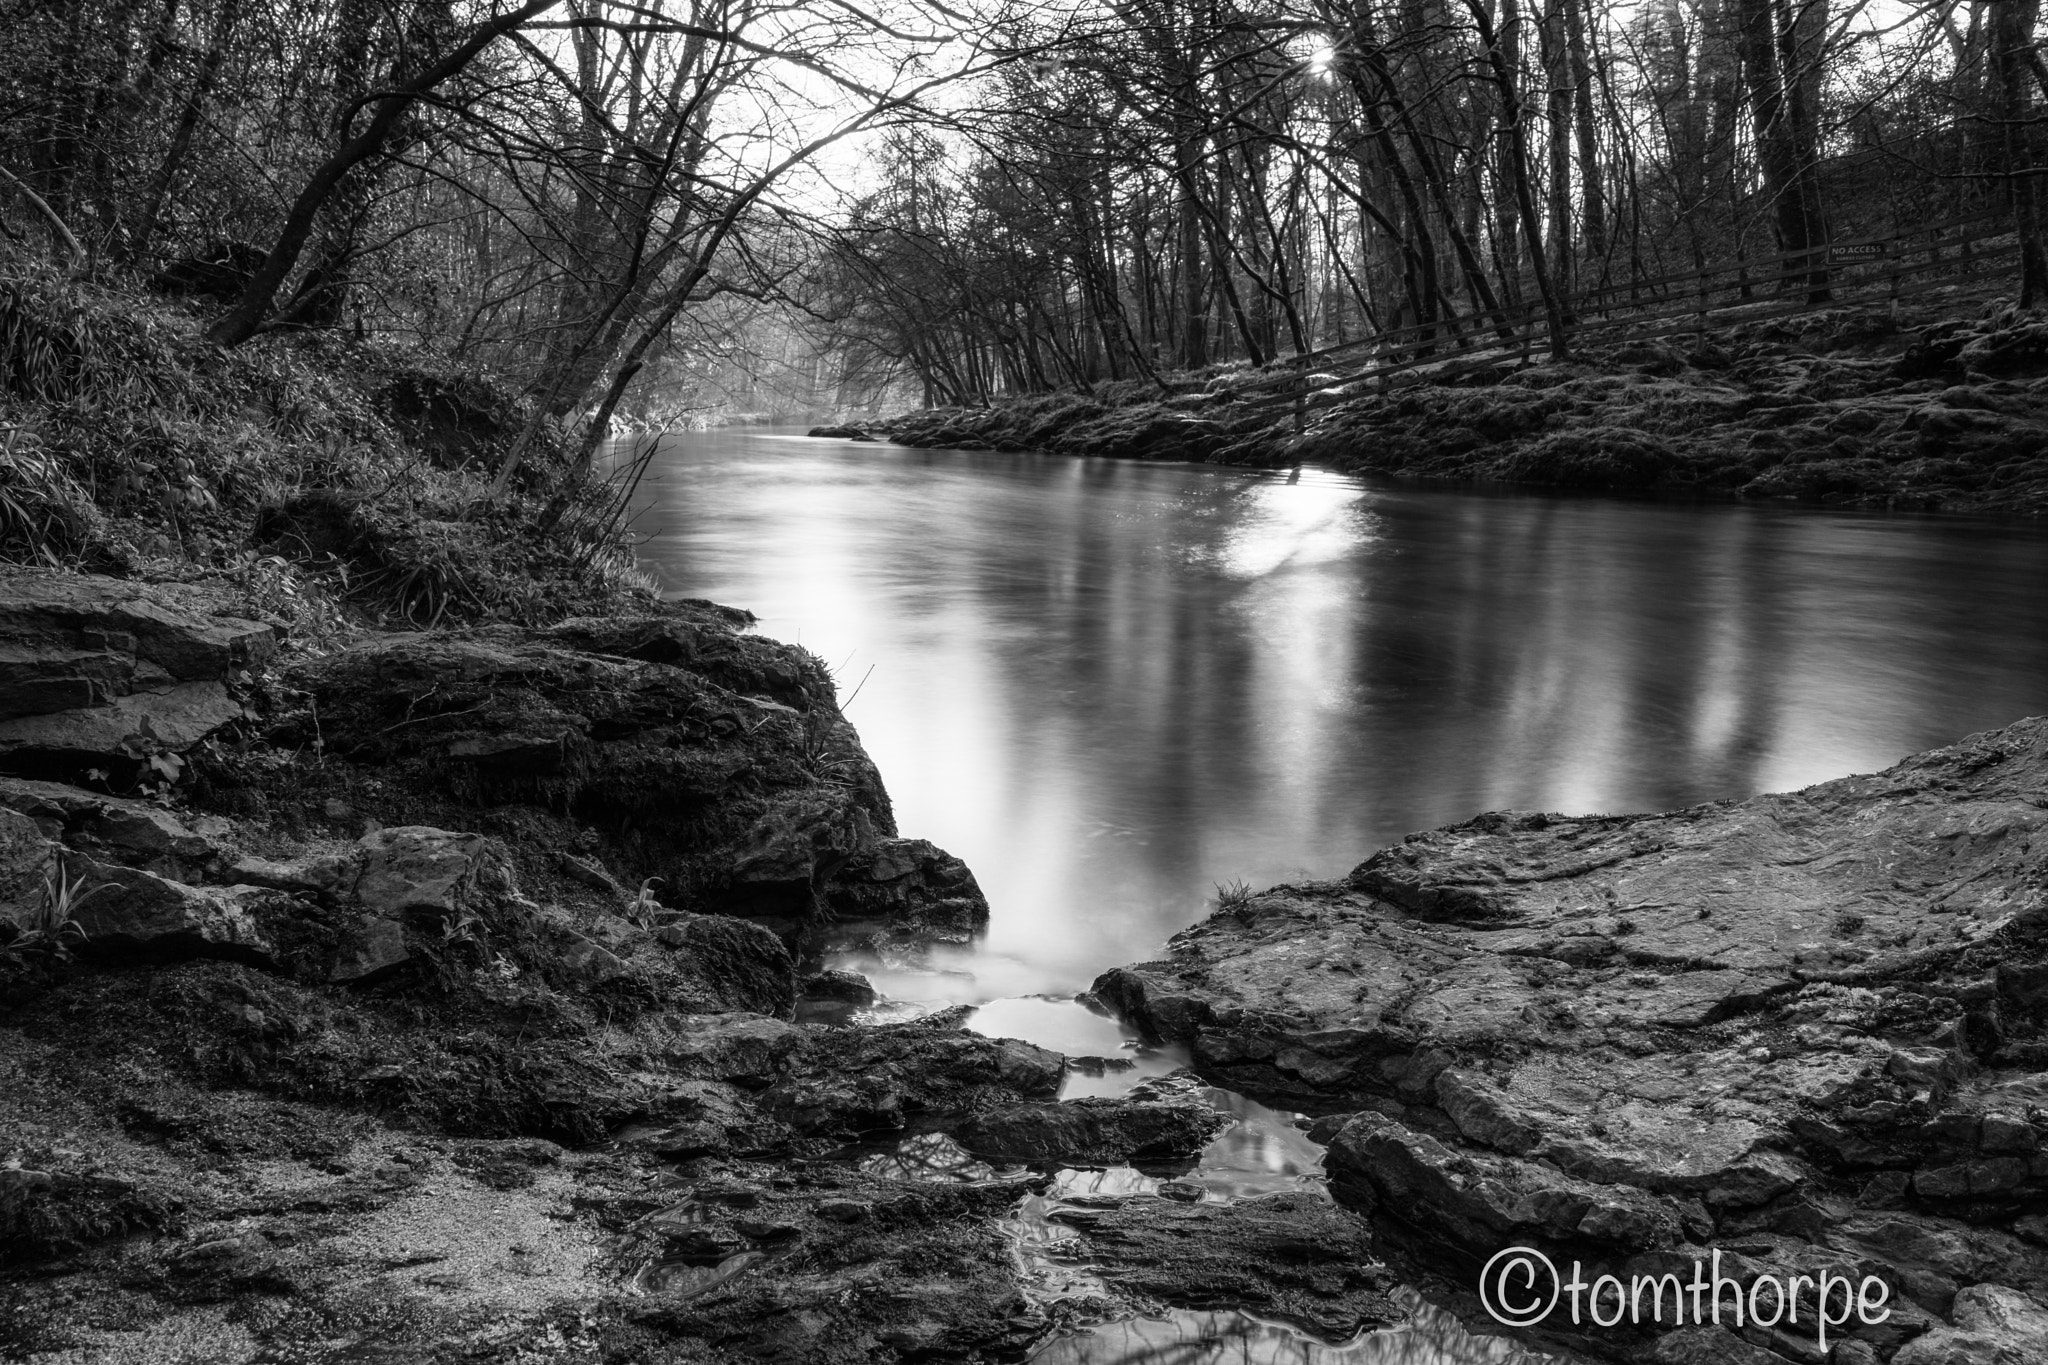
(842, 987)
(740, 964)
(1092, 1132)
(1296, 1257)
(716, 763)
(1993, 1325)
(748, 1049)
(856, 1081)
(1640, 1034)
(913, 886)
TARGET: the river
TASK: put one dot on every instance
(1116, 689)
(1112, 687)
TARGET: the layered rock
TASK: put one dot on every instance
(716, 765)
(1090, 1132)
(1811, 1026)
(100, 675)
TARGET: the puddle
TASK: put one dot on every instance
(1103, 1057)
(1186, 1337)
(1262, 1153)
(683, 1251)
(929, 1157)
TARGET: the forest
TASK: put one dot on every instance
(720, 205)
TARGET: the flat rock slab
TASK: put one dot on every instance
(155, 629)
(172, 718)
(100, 673)
(1639, 1033)
(1297, 1257)
(1094, 1131)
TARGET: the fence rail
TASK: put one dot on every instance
(1905, 265)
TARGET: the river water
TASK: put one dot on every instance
(1112, 687)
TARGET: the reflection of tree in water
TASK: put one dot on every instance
(929, 1157)
(1262, 1153)
(1431, 1337)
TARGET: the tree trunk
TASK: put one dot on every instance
(242, 321)
(1525, 198)
(2012, 42)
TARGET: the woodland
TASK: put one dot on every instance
(722, 205)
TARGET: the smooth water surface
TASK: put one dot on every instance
(1111, 686)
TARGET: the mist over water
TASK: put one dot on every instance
(1111, 686)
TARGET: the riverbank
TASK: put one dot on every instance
(400, 968)
(1851, 408)
(404, 917)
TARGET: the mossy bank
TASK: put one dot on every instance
(1849, 408)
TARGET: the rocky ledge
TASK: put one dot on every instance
(432, 997)
(1852, 408)
(1809, 1030)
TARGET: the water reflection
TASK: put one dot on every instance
(1110, 686)
(1103, 1057)
(927, 1157)
(1189, 1337)
(1261, 1153)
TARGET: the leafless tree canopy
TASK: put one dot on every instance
(606, 200)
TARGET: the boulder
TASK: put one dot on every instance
(1093, 1132)
(708, 1118)
(1294, 1257)
(839, 987)
(914, 887)
(125, 911)
(28, 864)
(850, 1081)
(133, 832)
(416, 871)
(1813, 1021)
(1993, 1325)
(118, 735)
(715, 762)
(746, 1049)
(372, 948)
(738, 965)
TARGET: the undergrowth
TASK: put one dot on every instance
(335, 483)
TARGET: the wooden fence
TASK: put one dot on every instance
(1865, 270)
